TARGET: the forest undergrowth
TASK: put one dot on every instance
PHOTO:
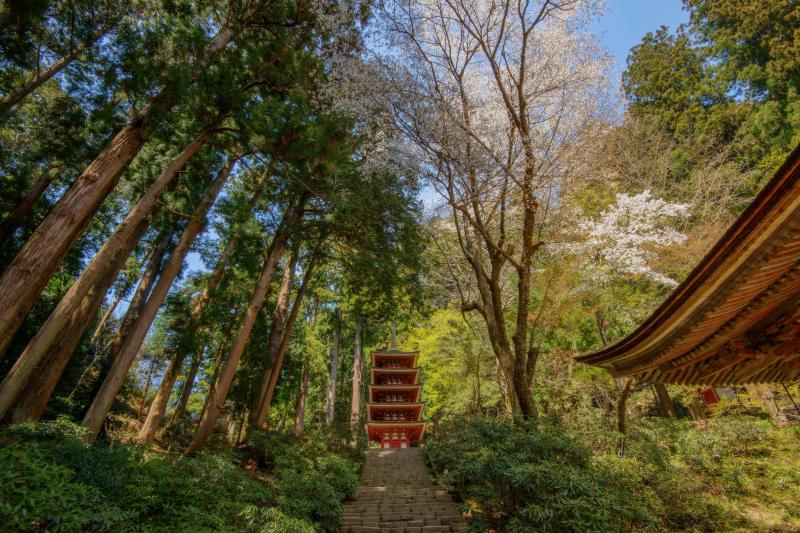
(734, 473)
(51, 480)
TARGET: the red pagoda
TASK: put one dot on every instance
(394, 409)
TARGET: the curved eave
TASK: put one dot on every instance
(395, 407)
(417, 389)
(414, 372)
(397, 424)
(395, 370)
(398, 355)
(396, 387)
(418, 427)
(758, 251)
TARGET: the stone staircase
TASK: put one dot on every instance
(397, 495)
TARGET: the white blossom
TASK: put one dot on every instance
(623, 237)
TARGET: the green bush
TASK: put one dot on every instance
(37, 494)
(528, 477)
(311, 482)
(51, 480)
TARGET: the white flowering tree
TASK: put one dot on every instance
(623, 240)
(497, 102)
(617, 250)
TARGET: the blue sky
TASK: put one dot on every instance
(627, 21)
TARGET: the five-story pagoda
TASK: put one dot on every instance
(394, 409)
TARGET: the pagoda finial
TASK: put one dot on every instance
(394, 337)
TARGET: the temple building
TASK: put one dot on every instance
(736, 318)
(394, 408)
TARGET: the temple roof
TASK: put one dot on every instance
(395, 354)
(396, 387)
(736, 317)
(395, 405)
(375, 429)
(382, 370)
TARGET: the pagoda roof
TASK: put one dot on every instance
(374, 427)
(392, 406)
(396, 387)
(394, 351)
(395, 354)
(415, 369)
(417, 388)
(736, 317)
(406, 423)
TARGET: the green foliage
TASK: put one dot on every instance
(730, 76)
(52, 480)
(311, 481)
(528, 477)
(739, 473)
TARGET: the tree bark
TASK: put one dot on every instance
(219, 394)
(623, 393)
(150, 372)
(266, 402)
(277, 329)
(34, 396)
(142, 292)
(664, 401)
(300, 405)
(101, 324)
(99, 408)
(358, 361)
(28, 273)
(333, 369)
(11, 222)
(159, 406)
(188, 385)
(121, 242)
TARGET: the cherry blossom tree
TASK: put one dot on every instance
(623, 239)
(497, 102)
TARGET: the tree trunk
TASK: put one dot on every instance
(218, 361)
(11, 222)
(121, 243)
(36, 392)
(300, 406)
(143, 289)
(146, 389)
(51, 348)
(219, 394)
(623, 393)
(188, 385)
(277, 329)
(159, 406)
(266, 402)
(38, 79)
(26, 276)
(99, 408)
(358, 361)
(664, 401)
(101, 324)
(330, 397)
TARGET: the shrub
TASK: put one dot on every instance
(50, 479)
(528, 477)
(36, 493)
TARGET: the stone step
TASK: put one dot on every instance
(396, 494)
